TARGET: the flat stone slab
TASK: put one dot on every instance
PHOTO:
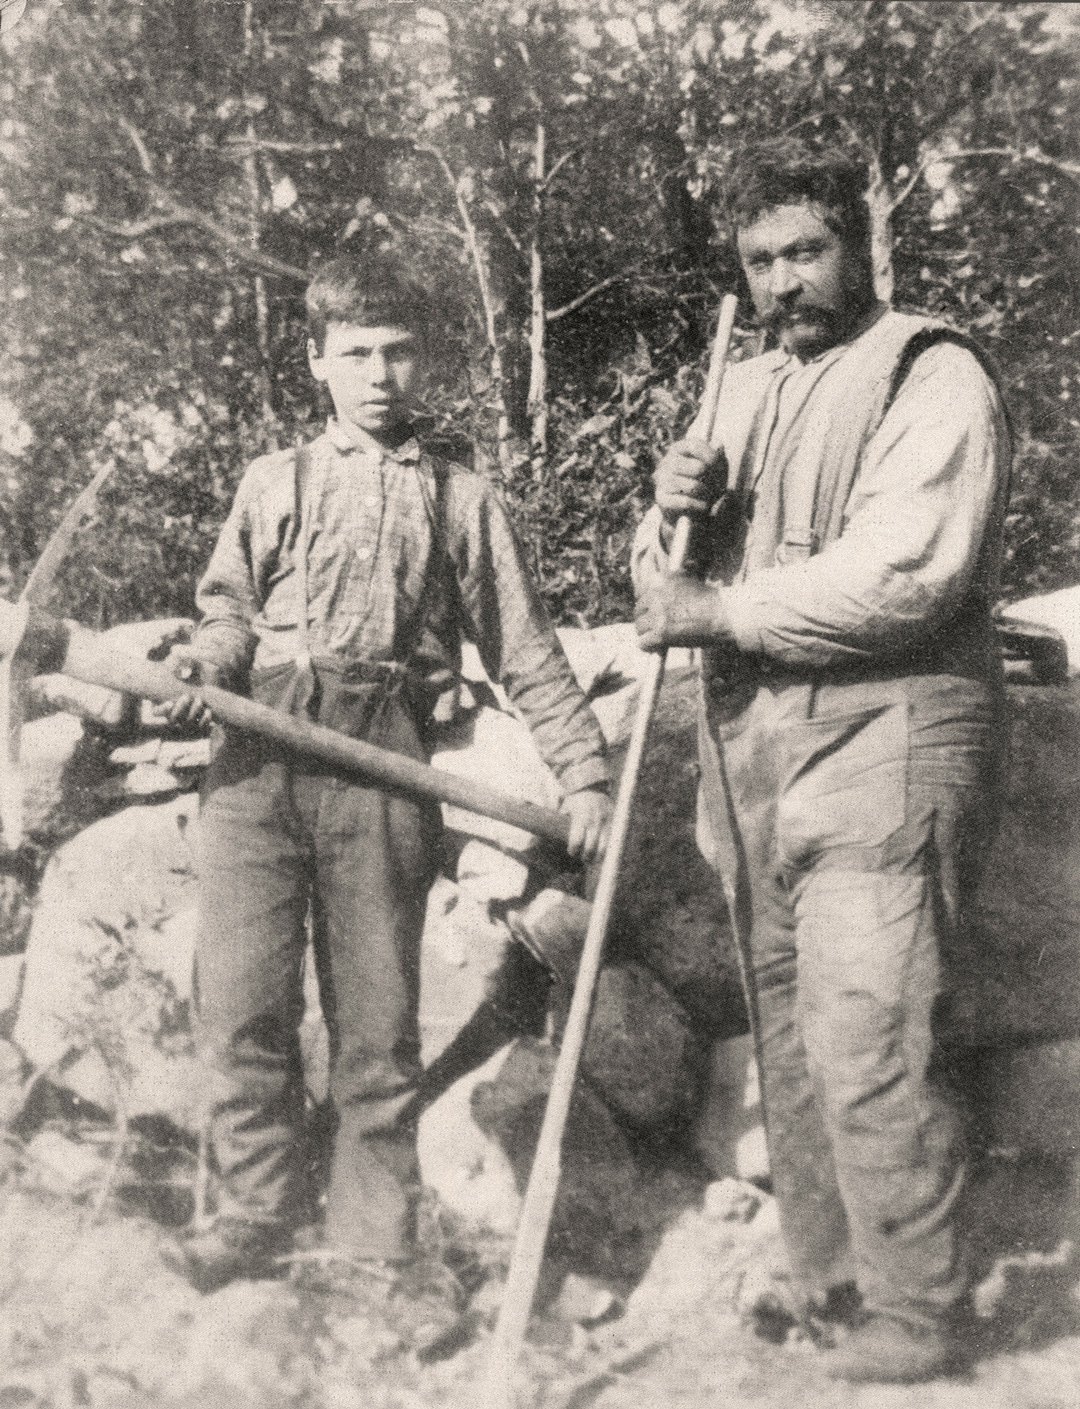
(1021, 977)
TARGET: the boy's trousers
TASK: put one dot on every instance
(277, 835)
(862, 809)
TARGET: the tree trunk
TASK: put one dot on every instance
(879, 199)
(537, 403)
(253, 188)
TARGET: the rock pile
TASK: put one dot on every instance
(100, 1002)
(105, 983)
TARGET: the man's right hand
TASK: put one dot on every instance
(689, 479)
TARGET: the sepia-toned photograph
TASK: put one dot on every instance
(539, 707)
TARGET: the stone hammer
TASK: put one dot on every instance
(32, 642)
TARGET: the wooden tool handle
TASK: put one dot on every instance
(710, 404)
(539, 1200)
(91, 659)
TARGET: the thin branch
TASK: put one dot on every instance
(487, 302)
(504, 225)
(243, 252)
(566, 156)
(472, 241)
(1017, 155)
(909, 185)
(131, 229)
(121, 1138)
(245, 145)
(576, 303)
(143, 152)
(178, 214)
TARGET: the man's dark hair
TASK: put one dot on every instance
(367, 288)
(787, 172)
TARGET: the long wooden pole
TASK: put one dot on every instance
(539, 1200)
(88, 657)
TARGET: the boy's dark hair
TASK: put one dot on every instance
(364, 288)
(788, 172)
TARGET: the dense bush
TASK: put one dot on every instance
(557, 173)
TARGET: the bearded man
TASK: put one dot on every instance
(848, 547)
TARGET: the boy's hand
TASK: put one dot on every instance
(190, 708)
(590, 817)
(689, 479)
(681, 611)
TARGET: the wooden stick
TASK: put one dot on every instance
(87, 657)
(539, 1200)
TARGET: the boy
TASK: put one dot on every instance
(340, 587)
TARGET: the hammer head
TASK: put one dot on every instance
(16, 669)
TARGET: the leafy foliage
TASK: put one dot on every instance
(558, 173)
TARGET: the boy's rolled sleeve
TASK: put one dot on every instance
(226, 596)
(517, 642)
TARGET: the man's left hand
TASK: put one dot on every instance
(681, 611)
(590, 818)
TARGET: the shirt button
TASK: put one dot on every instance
(371, 501)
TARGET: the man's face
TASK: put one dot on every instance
(371, 373)
(808, 287)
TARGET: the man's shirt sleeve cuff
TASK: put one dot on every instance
(738, 610)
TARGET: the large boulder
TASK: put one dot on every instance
(595, 1223)
(1020, 980)
(643, 1056)
(104, 1005)
(63, 771)
(1058, 610)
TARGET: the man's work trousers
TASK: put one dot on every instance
(278, 835)
(862, 809)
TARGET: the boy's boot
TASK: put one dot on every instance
(417, 1305)
(230, 1248)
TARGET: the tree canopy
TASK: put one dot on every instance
(558, 172)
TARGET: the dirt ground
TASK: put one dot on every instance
(91, 1317)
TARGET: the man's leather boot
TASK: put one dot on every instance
(888, 1350)
(230, 1248)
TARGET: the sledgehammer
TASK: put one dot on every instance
(73, 650)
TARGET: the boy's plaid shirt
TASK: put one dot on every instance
(381, 586)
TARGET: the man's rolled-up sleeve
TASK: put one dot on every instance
(933, 477)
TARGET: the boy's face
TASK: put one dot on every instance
(372, 374)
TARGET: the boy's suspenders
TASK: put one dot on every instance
(303, 548)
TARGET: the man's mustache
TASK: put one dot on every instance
(784, 317)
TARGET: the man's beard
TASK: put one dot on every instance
(823, 327)
(830, 324)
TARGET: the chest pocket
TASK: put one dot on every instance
(844, 784)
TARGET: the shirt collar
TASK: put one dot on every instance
(348, 440)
